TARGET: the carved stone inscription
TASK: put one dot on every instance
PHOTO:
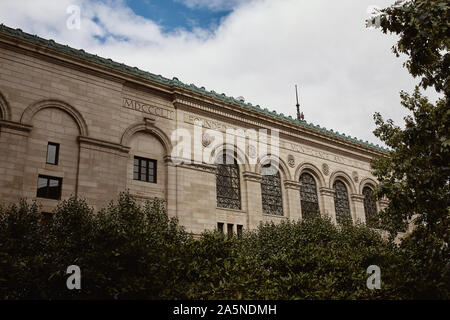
(146, 108)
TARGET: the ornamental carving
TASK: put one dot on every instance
(291, 161)
(206, 140)
(355, 176)
(325, 169)
(252, 151)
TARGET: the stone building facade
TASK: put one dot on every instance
(72, 123)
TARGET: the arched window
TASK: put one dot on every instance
(228, 186)
(271, 194)
(370, 208)
(308, 196)
(341, 203)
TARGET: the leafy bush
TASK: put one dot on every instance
(128, 251)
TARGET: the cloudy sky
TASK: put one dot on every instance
(258, 49)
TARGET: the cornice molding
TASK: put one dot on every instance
(326, 191)
(252, 176)
(357, 197)
(291, 184)
(103, 144)
(18, 38)
(16, 126)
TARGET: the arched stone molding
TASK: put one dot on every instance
(284, 169)
(311, 169)
(242, 158)
(147, 126)
(345, 178)
(30, 111)
(367, 182)
(5, 111)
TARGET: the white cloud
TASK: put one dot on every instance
(345, 71)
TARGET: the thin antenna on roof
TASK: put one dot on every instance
(300, 115)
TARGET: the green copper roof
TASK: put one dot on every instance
(176, 83)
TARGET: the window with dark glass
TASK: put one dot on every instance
(239, 230)
(228, 188)
(230, 230)
(271, 194)
(370, 208)
(52, 153)
(49, 187)
(220, 227)
(341, 202)
(308, 196)
(144, 169)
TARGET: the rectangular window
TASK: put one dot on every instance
(220, 227)
(229, 230)
(49, 187)
(144, 169)
(239, 230)
(52, 153)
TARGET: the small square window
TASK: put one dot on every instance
(49, 187)
(52, 153)
(144, 169)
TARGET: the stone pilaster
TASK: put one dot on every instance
(327, 195)
(293, 199)
(358, 214)
(254, 208)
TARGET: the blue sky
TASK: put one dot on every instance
(172, 15)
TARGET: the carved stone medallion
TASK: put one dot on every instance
(291, 161)
(355, 176)
(206, 140)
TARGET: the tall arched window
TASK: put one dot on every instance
(308, 196)
(341, 203)
(271, 194)
(370, 208)
(228, 186)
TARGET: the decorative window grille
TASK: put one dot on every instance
(271, 194)
(308, 196)
(370, 208)
(341, 203)
(228, 187)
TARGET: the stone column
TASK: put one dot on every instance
(328, 210)
(358, 214)
(254, 200)
(293, 199)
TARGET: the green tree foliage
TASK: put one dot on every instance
(415, 175)
(128, 251)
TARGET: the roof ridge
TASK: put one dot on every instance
(176, 82)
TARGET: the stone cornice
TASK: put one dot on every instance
(326, 192)
(199, 166)
(16, 126)
(357, 197)
(291, 184)
(102, 144)
(82, 59)
(251, 176)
